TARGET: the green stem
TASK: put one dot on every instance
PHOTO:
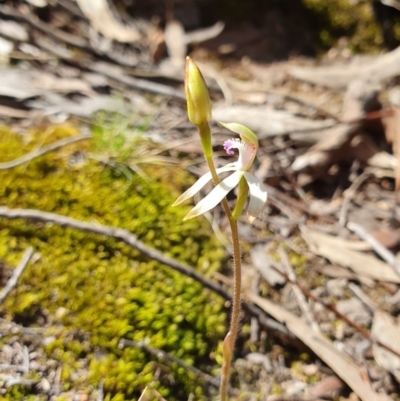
(243, 192)
(230, 339)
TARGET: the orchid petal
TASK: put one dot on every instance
(216, 195)
(258, 196)
(201, 182)
(228, 167)
(245, 133)
(196, 187)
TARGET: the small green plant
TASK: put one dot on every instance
(124, 146)
(199, 113)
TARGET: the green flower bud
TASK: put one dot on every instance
(197, 97)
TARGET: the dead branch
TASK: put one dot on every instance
(382, 68)
(12, 282)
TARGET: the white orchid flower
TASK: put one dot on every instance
(247, 147)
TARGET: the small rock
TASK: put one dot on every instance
(45, 385)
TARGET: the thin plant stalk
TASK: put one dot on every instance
(230, 339)
(249, 186)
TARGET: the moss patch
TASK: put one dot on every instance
(91, 291)
(356, 21)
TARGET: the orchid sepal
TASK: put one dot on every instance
(249, 185)
(218, 193)
(245, 133)
(258, 196)
(200, 183)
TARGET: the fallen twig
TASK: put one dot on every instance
(45, 149)
(16, 381)
(12, 282)
(162, 355)
(349, 195)
(117, 74)
(364, 298)
(8, 325)
(301, 299)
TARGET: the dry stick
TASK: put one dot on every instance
(301, 299)
(17, 368)
(34, 331)
(142, 396)
(383, 252)
(364, 298)
(365, 333)
(100, 393)
(307, 103)
(23, 367)
(162, 355)
(156, 394)
(17, 381)
(45, 149)
(131, 240)
(153, 392)
(113, 72)
(349, 195)
(12, 282)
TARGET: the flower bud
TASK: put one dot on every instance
(197, 97)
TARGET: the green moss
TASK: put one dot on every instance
(354, 20)
(93, 290)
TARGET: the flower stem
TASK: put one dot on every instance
(230, 339)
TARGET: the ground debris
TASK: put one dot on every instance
(323, 260)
